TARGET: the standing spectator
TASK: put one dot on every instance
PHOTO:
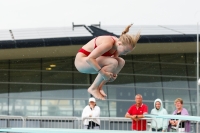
(136, 112)
(184, 126)
(91, 110)
(159, 124)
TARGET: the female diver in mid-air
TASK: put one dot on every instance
(101, 56)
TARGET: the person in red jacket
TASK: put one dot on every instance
(136, 112)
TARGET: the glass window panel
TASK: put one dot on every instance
(58, 64)
(175, 82)
(25, 90)
(193, 109)
(3, 90)
(128, 67)
(146, 68)
(121, 92)
(193, 95)
(4, 69)
(192, 70)
(173, 58)
(193, 104)
(80, 78)
(123, 79)
(57, 91)
(80, 91)
(126, 93)
(172, 69)
(4, 106)
(25, 64)
(103, 105)
(191, 59)
(56, 77)
(150, 105)
(122, 107)
(24, 107)
(146, 58)
(112, 108)
(148, 81)
(169, 106)
(172, 94)
(112, 92)
(57, 107)
(27, 70)
(25, 76)
(188, 107)
(192, 82)
(57, 70)
(146, 64)
(79, 105)
(150, 93)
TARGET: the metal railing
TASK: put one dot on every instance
(11, 121)
(106, 123)
(52, 122)
(194, 126)
(116, 123)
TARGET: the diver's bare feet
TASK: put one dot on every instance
(101, 88)
(96, 93)
(102, 92)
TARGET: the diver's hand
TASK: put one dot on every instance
(113, 78)
(106, 75)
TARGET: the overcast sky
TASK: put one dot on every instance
(59, 13)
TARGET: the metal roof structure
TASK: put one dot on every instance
(50, 33)
(155, 29)
(22, 34)
(81, 34)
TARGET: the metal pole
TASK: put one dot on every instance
(197, 69)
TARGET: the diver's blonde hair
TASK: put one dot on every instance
(127, 39)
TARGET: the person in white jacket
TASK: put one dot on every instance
(91, 111)
(159, 124)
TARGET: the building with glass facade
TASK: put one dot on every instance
(38, 76)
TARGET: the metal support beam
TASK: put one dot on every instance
(77, 25)
(11, 34)
(198, 69)
(97, 24)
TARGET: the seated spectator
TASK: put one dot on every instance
(91, 110)
(159, 124)
(136, 112)
(184, 126)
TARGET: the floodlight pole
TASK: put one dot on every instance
(198, 69)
